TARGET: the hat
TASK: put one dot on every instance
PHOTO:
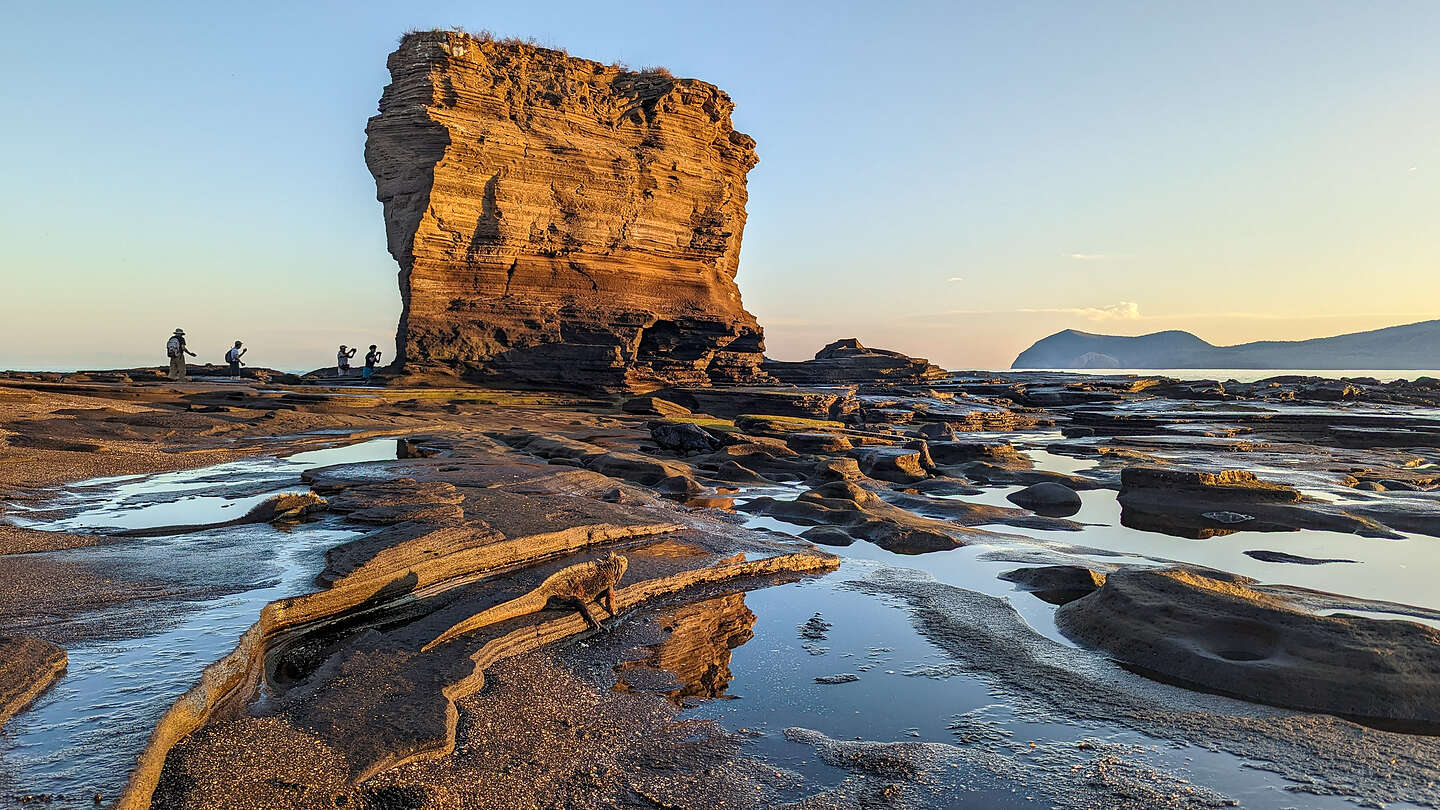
(179, 331)
(238, 343)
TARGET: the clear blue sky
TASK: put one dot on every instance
(951, 179)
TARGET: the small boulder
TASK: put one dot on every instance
(817, 443)
(827, 536)
(679, 485)
(683, 438)
(1056, 584)
(837, 469)
(1264, 555)
(900, 465)
(937, 432)
(943, 486)
(1047, 498)
(740, 474)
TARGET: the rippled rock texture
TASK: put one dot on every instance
(1227, 637)
(560, 222)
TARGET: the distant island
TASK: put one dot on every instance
(1412, 346)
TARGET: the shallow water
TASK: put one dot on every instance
(773, 688)
(774, 674)
(1400, 571)
(146, 501)
(1244, 375)
(83, 735)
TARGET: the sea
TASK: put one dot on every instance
(1244, 375)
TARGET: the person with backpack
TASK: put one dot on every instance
(372, 359)
(342, 360)
(176, 351)
(233, 358)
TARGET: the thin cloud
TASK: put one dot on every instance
(954, 279)
(1120, 311)
(1092, 257)
(1130, 311)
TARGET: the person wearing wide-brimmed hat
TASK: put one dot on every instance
(175, 349)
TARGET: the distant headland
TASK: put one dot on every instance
(1412, 346)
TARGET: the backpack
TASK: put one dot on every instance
(232, 356)
(173, 346)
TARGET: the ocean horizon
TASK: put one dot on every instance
(1244, 375)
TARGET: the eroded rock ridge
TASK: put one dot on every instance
(560, 222)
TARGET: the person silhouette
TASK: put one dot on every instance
(372, 359)
(233, 358)
(176, 350)
(342, 360)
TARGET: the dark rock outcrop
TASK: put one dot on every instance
(847, 361)
(1226, 637)
(1057, 584)
(1047, 498)
(561, 223)
(1200, 504)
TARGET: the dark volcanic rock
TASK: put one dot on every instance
(1225, 485)
(561, 223)
(847, 361)
(1281, 557)
(815, 403)
(684, 438)
(1225, 637)
(1057, 584)
(827, 536)
(1200, 504)
(900, 465)
(1047, 498)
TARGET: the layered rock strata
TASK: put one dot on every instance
(364, 674)
(559, 222)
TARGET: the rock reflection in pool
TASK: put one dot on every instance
(693, 662)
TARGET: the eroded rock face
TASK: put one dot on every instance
(559, 222)
(1229, 638)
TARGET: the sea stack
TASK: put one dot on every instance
(559, 222)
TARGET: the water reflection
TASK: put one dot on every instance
(693, 662)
